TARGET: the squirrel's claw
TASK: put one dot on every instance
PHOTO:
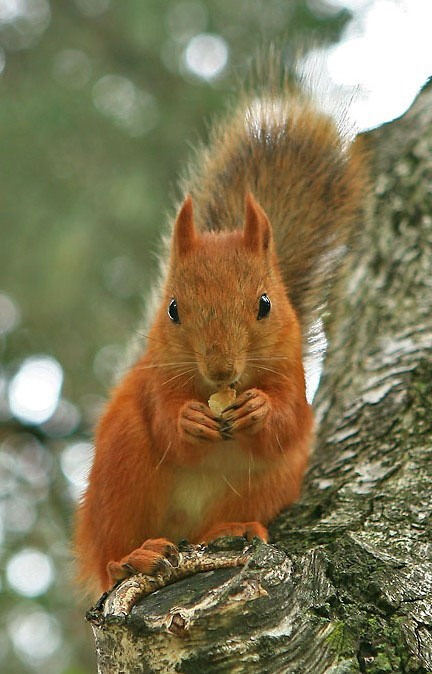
(248, 413)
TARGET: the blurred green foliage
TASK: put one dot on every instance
(78, 191)
(98, 112)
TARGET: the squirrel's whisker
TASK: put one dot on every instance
(176, 376)
(272, 357)
(190, 352)
(188, 380)
(230, 485)
(270, 369)
(163, 456)
(279, 443)
(154, 365)
(264, 346)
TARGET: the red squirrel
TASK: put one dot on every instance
(271, 203)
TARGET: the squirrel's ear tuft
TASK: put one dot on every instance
(257, 231)
(184, 236)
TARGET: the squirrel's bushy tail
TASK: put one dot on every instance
(309, 179)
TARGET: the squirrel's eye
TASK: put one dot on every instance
(173, 311)
(263, 307)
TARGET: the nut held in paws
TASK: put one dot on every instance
(221, 399)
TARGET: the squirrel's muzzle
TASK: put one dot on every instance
(219, 367)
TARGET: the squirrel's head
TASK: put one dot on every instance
(226, 306)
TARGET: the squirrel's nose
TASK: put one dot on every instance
(220, 368)
(221, 374)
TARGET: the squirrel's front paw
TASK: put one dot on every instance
(197, 423)
(248, 413)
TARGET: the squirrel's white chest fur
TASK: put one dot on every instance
(226, 469)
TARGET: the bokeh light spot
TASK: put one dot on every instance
(8, 472)
(185, 19)
(75, 462)
(4, 402)
(30, 572)
(36, 635)
(18, 514)
(91, 406)
(34, 461)
(64, 421)
(120, 276)
(129, 107)
(206, 55)
(72, 68)
(9, 312)
(353, 5)
(10, 10)
(23, 22)
(92, 8)
(106, 364)
(35, 389)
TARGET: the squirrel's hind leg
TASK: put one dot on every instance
(158, 556)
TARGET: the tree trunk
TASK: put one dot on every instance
(349, 586)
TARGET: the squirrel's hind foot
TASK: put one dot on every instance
(155, 557)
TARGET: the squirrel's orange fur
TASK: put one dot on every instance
(165, 467)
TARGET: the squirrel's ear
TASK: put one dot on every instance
(257, 231)
(184, 235)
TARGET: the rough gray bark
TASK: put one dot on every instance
(349, 587)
